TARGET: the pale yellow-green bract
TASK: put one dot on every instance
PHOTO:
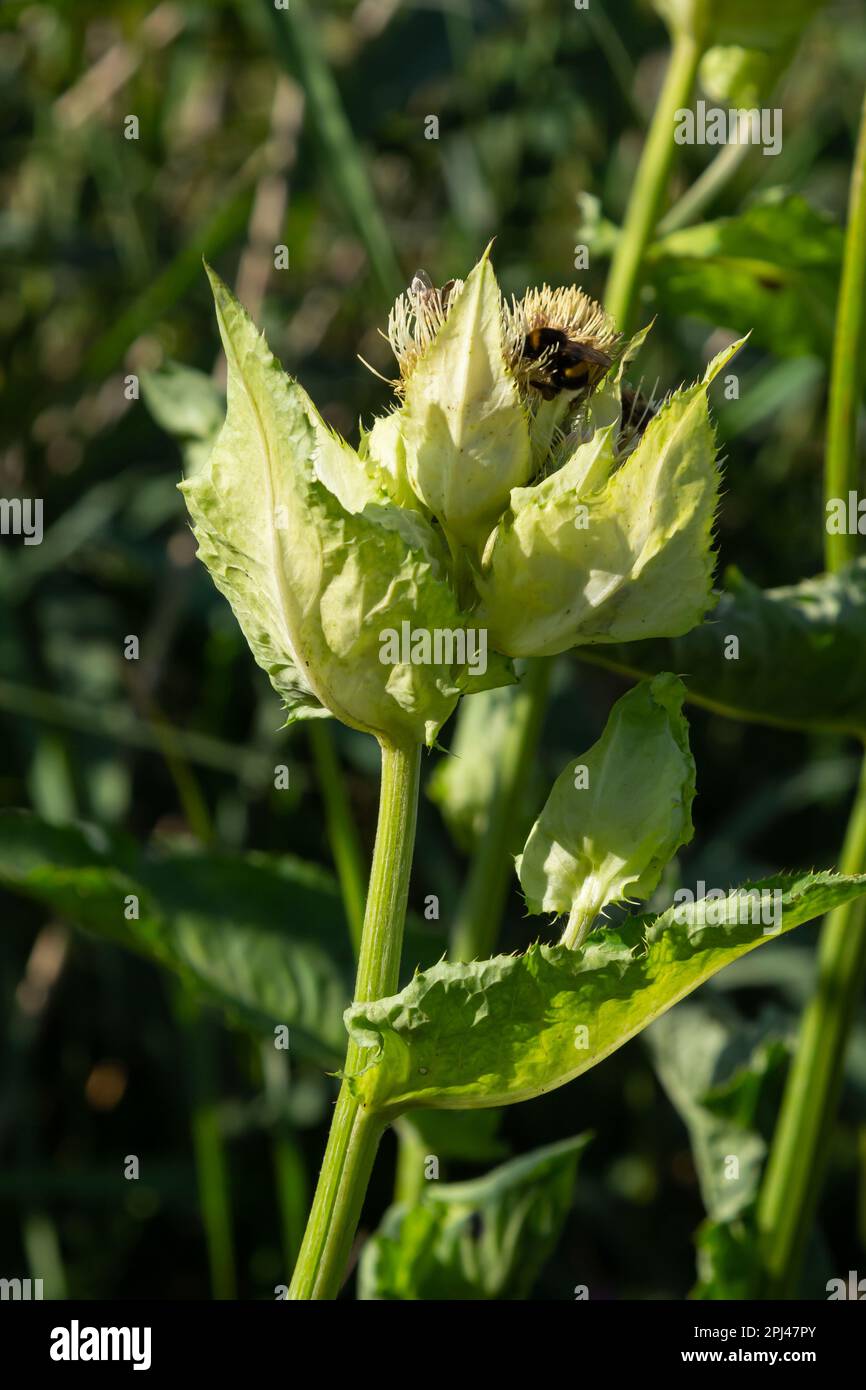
(589, 555)
(304, 540)
(464, 428)
(617, 814)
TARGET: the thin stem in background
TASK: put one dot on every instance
(706, 187)
(211, 1166)
(342, 831)
(648, 189)
(841, 465)
(355, 1133)
(119, 724)
(479, 913)
(296, 41)
(411, 1153)
(797, 1161)
(289, 1169)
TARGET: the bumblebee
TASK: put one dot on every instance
(564, 363)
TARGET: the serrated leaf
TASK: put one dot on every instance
(617, 814)
(484, 1239)
(801, 659)
(263, 937)
(772, 269)
(504, 1030)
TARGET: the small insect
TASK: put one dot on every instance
(422, 287)
(564, 364)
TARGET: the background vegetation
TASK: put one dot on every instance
(307, 129)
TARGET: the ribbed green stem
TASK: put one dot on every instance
(411, 1153)
(648, 189)
(342, 831)
(355, 1133)
(796, 1166)
(841, 470)
(797, 1162)
(705, 189)
(476, 925)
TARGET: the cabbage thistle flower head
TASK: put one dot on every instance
(495, 498)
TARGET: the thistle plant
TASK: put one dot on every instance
(512, 492)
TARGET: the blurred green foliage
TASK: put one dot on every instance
(312, 136)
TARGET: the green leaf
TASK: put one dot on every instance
(801, 660)
(504, 1030)
(464, 428)
(616, 815)
(581, 559)
(717, 1069)
(262, 937)
(773, 269)
(728, 1260)
(188, 405)
(485, 1239)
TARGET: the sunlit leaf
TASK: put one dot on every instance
(503, 1030)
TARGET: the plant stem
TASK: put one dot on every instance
(797, 1162)
(476, 925)
(342, 832)
(650, 182)
(841, 473)
(289, 1170)
(411, 1152)
(705, 188)
(211, 1162)
(355, 1132)
(796, 1165)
